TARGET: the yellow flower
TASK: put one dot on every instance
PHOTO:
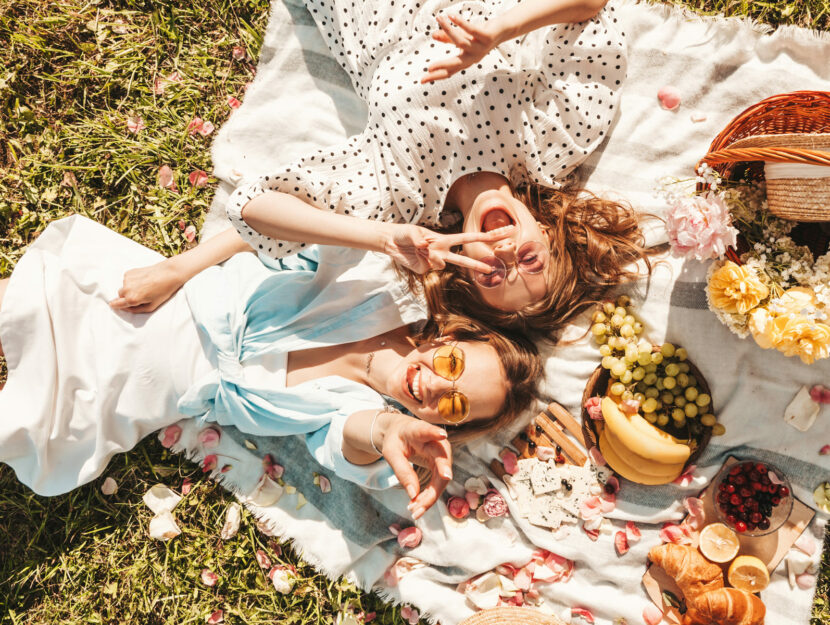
(733, 289)
(760, 323)
(796, 299)
(799, 336)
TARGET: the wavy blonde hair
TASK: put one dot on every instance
(593, 243)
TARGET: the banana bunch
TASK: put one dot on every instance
(637, 450)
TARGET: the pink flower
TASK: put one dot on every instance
(166, 180)
(674, 533)
(169, 436)
(410, 614)
(458, 507)
(238, 53)
(135, 124)
(209, 578)
(217, 616)
(593, 406)
(669, 98)
(700, 227)
(190, 235)
(820, 394)
(621, 543)
(632, 532)
(233, 102)
(510, 462)
(198, 178)
(262, 559)
(409, 537)
(494, 504)
(209, 437)
(209, 463)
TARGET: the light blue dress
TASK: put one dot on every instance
(86, 382)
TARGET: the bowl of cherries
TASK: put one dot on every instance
(752, 497)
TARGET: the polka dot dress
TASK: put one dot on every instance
(539, 112)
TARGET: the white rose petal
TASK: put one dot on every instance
(267, 492)
(163, 526)
(109, 487)
(484, 592)
(798, 562)
(802, 411)
(232, 518)
(282, 579)
(476, 485)
(161, 499)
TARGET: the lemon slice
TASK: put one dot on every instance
(718, 543)
(748, 573)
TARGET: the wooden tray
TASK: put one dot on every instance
(598, 385)
(771, 548)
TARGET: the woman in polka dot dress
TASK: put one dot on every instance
(477, 140)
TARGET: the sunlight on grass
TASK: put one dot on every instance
(73, 76)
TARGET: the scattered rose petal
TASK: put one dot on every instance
(473, 499)
(266, 493)
(169, 436)
(669, 98)
(272, 469)
(401, 567)
(159, 84)
(806, 581)
(198, 178)
(301, 501)
(282, 579)
(166, 180)
(135, 124)
(160, 499)
(698, 117)
(181, 225)
(607, 504)
(621, 543)
(632, 532)
(630, 406)
(697, 516)
(597, 458)
(494, 504)
(582, 613)
(186, 486)
(458, 507)
(225, 468)
(590, 508)
(687, 477)
(262, 559)
(69, 179)
(232, 519)
(369, 617)
(546, 453)
(612, 485)
(209, 463)
(593, 407)
(325, 484)
(820, 394)
(209, 578)
(824, 450)
(265, 528)
(410, 614)
(174, 77)
(217, 616)
(652, 615)
(773, 477)
(510, 462)
(806, 543)
(163, 526)
(206, 129)
(290, 489)
(238, 53)
(395, 529)
(593, 534)
(674, 533)
(476, 485)
(250, 445)
(233, 102)
(484, 591)
(798, 563)
(190, 235)
(802, 410)
(195, 125)
(409, 537)
(209, 437)
(109, 487)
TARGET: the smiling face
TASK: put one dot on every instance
(416, 384)
(498, 208)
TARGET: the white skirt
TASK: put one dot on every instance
(86, 382)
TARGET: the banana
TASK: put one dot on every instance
(647, 429)
(645, 466)
(626, 470)
(645, 446)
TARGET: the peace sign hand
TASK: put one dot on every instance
(473, 41)
(420, 249)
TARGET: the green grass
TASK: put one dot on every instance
(71, 74)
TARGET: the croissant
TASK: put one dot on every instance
(693, 573)
(725, 606)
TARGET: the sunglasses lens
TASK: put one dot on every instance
(448, 362)
(532, 257)
(453, 407)
(496, 275)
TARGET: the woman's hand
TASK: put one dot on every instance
(421, 249)
(474, 41)
(147, 288)
(407, 440)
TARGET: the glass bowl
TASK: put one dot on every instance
(743, 501)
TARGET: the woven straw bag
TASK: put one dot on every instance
(511, 616)
(788, 134)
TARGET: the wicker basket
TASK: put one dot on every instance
(512, 616)
(787, 128)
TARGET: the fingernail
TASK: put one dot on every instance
(447, 475)
(417, 512)
(410, 490)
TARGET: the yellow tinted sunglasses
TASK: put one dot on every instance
(448, 362)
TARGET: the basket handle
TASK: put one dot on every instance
(772, 155)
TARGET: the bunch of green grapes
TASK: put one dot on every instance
(658, 378)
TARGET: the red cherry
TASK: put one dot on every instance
(750, 525)
(740, 526)
(756, 517)
(765, 479)
(723, 497)
(739, 480)
(764, 524)
(735, 500)
(742, 508)
(757, 486)
(730, 488)
(722, 486)
(761, 468)
(783, 491)
(731, 519)
(735, 470)
(776, 500)
(746, 492)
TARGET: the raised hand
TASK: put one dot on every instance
(421, 249)
(473, 41)
(409, 440)
(147, 288)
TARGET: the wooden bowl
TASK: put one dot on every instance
(598, 385)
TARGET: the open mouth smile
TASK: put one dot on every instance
(412, 383)
(495, 218)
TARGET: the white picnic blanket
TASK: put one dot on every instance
(301, 100)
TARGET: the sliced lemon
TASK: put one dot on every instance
(718, 543)
(748, 573)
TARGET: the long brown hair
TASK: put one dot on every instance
(593, 242)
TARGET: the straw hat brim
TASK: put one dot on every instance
(512, 616)
(811, 141)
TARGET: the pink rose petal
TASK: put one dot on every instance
(190, 235)
(233, 102)
(669, 98)
(325, 484)
(394, 529)
(198, 178)
(674, 533)
(805, 581)
(593, 406)
(621, 543)
(409, 537)
(607, 504)
(632, 532)
(410, 614)
(262, 559)
(652, 615)
(186, 486)
(195, 125)
(135, 124)
(773, 477)
(630, 406)
(181, 225)
(209, 578)
(592, 534)
(591, 507)
(209, 463)
(458, 507)
(369, 617)
(169, 436)
(166, 180)
(473, 499)
(597, 458)
(217, 616)
(209, 437)
(174, 77)
(523, 578)
(511, 462)
(583, 613)
(824, 450)
(612, 486)
(206, 129)
(238, 53)
(806, 543)
(697, 516)
(159, 84)
(546, 453)
(687, 477)
(109, 487)
(272, 469)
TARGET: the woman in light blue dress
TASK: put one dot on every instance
(311, 345)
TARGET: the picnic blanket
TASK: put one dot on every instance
(301, 100)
